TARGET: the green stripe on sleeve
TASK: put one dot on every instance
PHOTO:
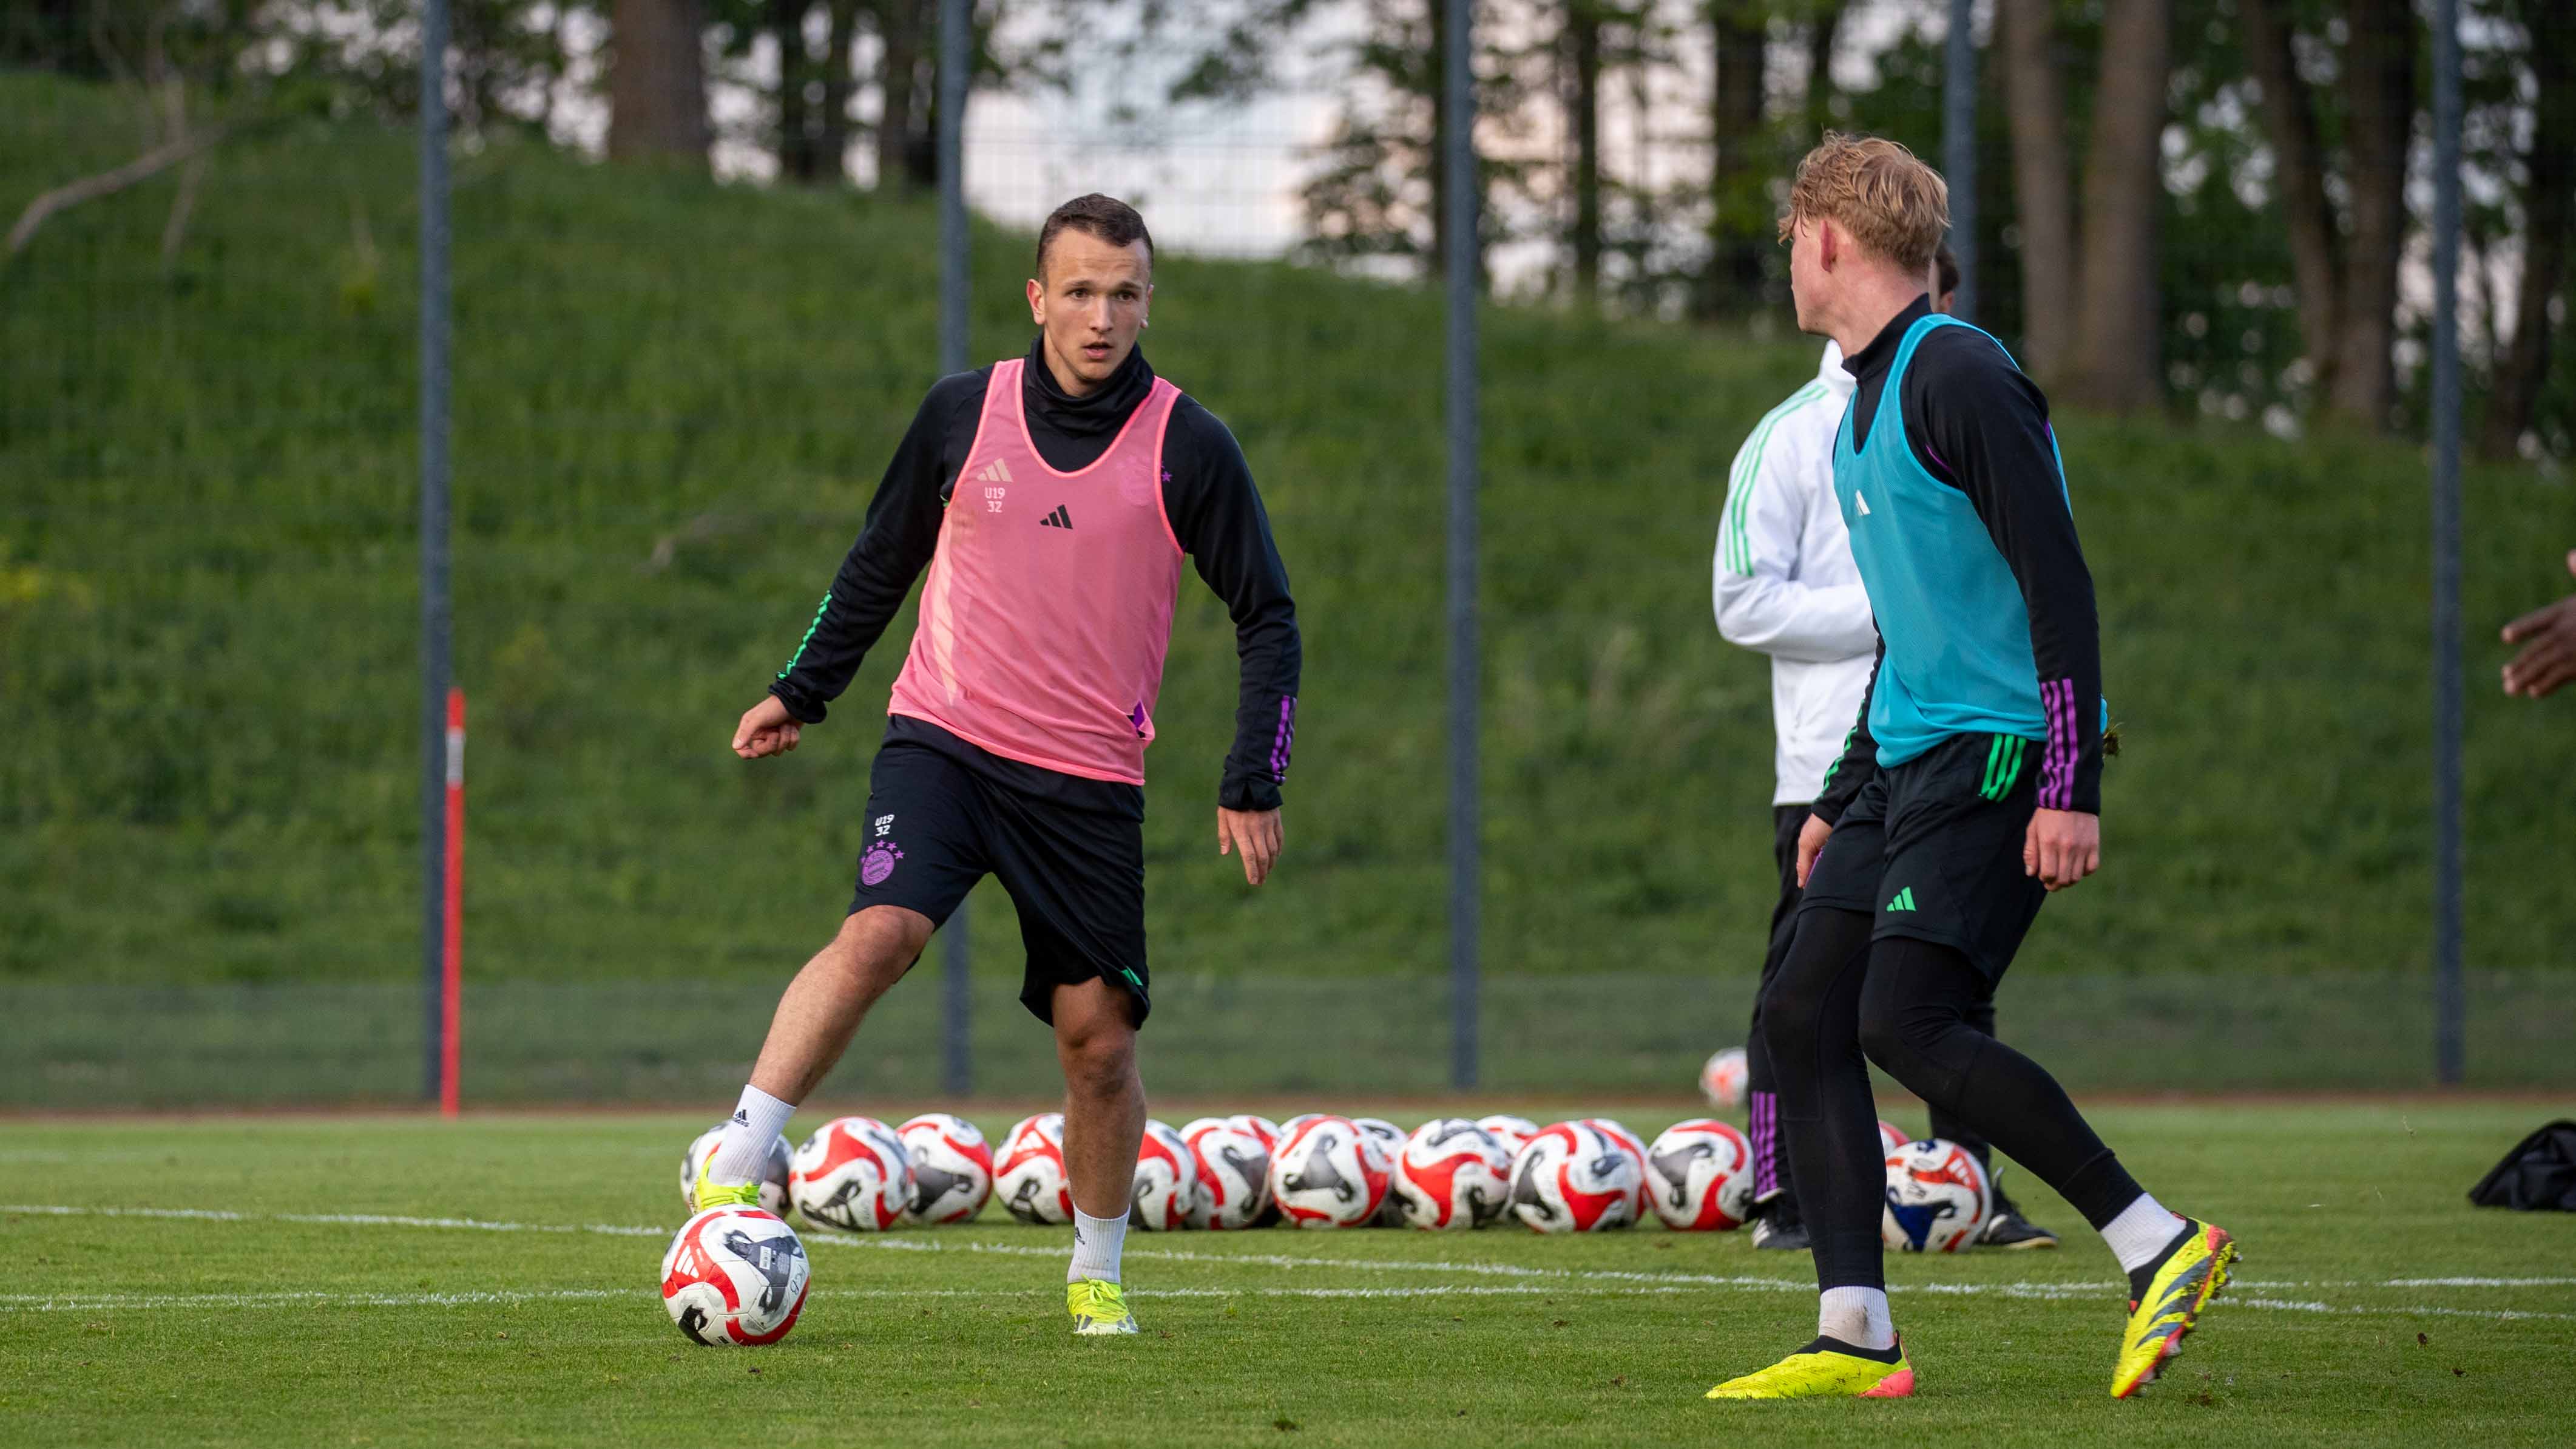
(819, 610)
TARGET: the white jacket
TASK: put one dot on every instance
(1786, 584)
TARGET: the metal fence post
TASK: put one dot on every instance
(1959, 148)
(2450, 996)
(1458, 103)
(956, 49)
(434, 615)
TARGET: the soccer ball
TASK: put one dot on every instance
(1167, 1179)
(1261, 1127)
(853, 1173)
(1634, 1146)
(1937, 1198)
(1233, 1174)
(773, 1173)
(1722, 1079)
(1891, 1138)
(1271, 1135)
(1575, 1178)
(734, 1275)
(1029, 1175)
(1451, 1174)
(952, 1169)
(1699, 1175)
(1513, 1132)
(1296, 1124)
(1390, 1214)
(1330, 1173)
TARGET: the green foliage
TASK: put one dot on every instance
(672, 400)
(2360, 1316)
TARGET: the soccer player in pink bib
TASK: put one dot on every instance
(1053, 499)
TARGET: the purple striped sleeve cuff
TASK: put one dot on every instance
(1283, 740)
(2065, 745)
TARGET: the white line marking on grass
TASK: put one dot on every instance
(1536, 1280)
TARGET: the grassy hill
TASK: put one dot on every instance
(672, 400)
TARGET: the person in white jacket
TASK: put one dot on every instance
(1785, 585)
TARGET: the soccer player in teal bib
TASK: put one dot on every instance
(1970, 787)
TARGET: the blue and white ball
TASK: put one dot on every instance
(1938, 1198)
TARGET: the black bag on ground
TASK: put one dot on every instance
(2539, 1173)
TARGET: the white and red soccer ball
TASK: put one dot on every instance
(1513, 1132)
(1573, 1177)
(952, 1169)
(1891, 1138)
(1938, 1198)
(1167, 1180)
(1029, 1176)
(853, 1173)
(1452, 1175)
(1330, 1173)
(1233, 1162)
(1722, 1079)
(735, 1276)
(773, 1171)
(1390, 1213)
(1699, 1176)
(1634, 1146)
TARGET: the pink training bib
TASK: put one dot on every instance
(1049, 607)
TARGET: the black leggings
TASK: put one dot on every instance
(1841, 1001)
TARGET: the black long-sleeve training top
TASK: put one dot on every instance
(1976, 423)
(1215, 513)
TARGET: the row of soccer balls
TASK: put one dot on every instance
(1321, 1171)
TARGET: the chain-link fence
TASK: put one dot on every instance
(673, 397)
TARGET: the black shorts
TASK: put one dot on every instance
(1932, 848)
(935, 827)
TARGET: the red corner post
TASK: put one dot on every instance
(451, 1012)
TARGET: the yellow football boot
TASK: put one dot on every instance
(724, 1194)
(1099, 1308)
(1815, 1373)
(2183, 1283)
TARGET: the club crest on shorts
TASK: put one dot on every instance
(878, 863)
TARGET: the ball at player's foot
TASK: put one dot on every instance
(734, 1277)
(773, 1172)
(1891, 1138)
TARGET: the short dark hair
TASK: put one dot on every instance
(1948, 261)
(1105, 217)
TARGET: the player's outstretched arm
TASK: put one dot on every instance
(1255, 835)
(766, 729)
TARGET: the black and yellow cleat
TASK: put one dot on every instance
(2168, 1306)
(1827, 1368)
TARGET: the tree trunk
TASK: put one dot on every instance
(657, 85)
(2549, 214)
(2118, 360)
(1822, 35)
(1582, 43)
(795, 73)
(904, 27)
(2043, 182)
(2379, 118)
(1739, 182)
(832, 135)
(2299, 178)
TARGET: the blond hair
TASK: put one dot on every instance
(1892, 204)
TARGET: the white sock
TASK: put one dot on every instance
(2141, 1231)
(1096, 1243)
(757, 1121)
(1857, 1316)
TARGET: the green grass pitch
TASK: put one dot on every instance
(398, 1280)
